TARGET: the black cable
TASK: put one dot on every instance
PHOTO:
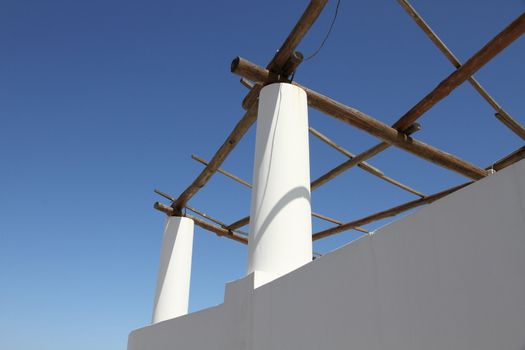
(327, 34)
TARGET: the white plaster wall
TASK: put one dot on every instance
(449, 276)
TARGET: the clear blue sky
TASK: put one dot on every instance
(103, 101)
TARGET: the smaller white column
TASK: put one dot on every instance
(173, 280)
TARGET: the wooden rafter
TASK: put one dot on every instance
(365, 166)
(205, 225)
(198, 212)
(386, 213)
(247, 184)
(508, 35)
(501, 114)
(276, 65)
(358, 119)
(508, 160)
(504, 162)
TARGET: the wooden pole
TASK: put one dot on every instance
(366, 123)
(335, 172)
(512, 32)
(501, 114)
(302, 26)
(508, 160)
(231, 141)
(365, 166)
(205, 225)
(223, 172)
(386, 213)
(198, 212)
(277, 64)
(247, 184)
(359, 158)
(239, 223)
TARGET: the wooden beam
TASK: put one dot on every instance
(508, 160)
(333, 221)
(347, 165)
(386, 213)
(203, 224)
(512, 32)
(277, 64)
(231, 141)
(366, 123)
(309, 16)
(248, 84)
(223, 172)
(198, 212)
(501, 114)
(252, 96)
(243, 221)
(333, 173)
(239, 223)
(291, 65)
(365, 166)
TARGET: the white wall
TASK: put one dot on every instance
(449, 276)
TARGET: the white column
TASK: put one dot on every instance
(280, 219)
(173, 280)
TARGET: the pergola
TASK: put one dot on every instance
(281, 69)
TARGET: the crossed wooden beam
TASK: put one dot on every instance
(286, 61)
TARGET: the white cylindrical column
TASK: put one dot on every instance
(280, 220)
(173, 280)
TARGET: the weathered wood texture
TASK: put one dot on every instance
(277, 64)
(249, 185)
(239, 223)
(501, 114)
(231, 141)
(508, 160)
(366, 123)
(365, 166)
(512, 32)
(386, 213)
(223, 172)
(198, 212)
(309, 16)
(203, 224)
(346, 165)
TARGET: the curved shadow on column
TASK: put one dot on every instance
(295, 193)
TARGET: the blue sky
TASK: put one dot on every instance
(103, 101)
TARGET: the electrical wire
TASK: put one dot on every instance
(327, 34)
